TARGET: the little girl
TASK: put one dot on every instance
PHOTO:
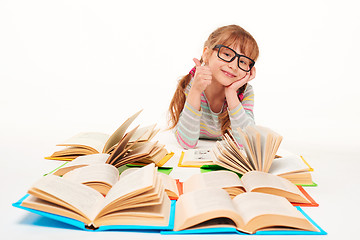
(215, 96)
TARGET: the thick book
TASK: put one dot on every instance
(257, 150)
(138, 198)
(211, 210)
(85, 143)
(81, 225)
(254, 181)
(122, 146)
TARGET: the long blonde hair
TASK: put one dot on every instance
(226, 35)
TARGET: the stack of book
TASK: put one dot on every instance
(256, 150)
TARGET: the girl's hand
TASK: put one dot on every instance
(231, 90)
(239, 83)
(202, 78)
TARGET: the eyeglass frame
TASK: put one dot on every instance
(219, 46)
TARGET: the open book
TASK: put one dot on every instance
(257, 151)
(93, 171)
(172, 186)
(254, 181)
(101, 177)
(118, 145)
(196, 158)
(247, 212)
(137, 199)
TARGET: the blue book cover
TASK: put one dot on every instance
(81, 225)
(230, 230)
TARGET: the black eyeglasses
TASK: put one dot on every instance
(228, 55)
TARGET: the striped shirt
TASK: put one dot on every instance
(205, 124)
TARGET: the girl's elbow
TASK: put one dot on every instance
(185, 144)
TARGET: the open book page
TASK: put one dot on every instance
(220, 179)
(223, 158)
(119, 133)
(227, 150)
(255, 138)
(195, 207)
(157, 155)
(288, 164)
(91, 140)
(46, 206)
(246, 142)
(270, 142)
(132, 184)
(70, 153)
(261, 211)
(139, 152)
(197, 157)
(98, 158)
(143, 134)
(144, 198)
(75, 196)
(169, 183)
(239, 152)
(156, 150)
(301, 178)
(257, 181)
(121, 148)
(96, 173)
(156, 215)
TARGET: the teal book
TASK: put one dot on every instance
(135, 201)
(60, 220)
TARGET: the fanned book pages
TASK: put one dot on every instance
(256, 151)
(136, 199)
(212, 208)
(123, 147)
(171, 185)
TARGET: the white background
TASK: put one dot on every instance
(73, 66)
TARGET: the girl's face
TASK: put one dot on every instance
(223, 72)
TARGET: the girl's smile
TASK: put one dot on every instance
(228, 74)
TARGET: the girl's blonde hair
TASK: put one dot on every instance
(227, 35)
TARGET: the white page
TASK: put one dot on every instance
(142, 178)
(84, 198)
(105, 173)
(95, 140)
(220, 179)
(251, 205)
(89, 159)
(290, 163)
